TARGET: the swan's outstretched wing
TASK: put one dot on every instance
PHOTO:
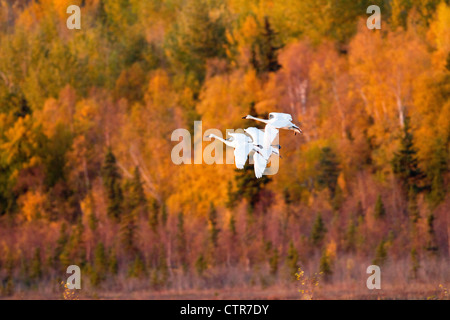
(242, 147)
(259, 164)
(241, 152)
(256, 134)
(280, 116)
(270, 133)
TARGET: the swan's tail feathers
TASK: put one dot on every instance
(259, 164)
(239, 166)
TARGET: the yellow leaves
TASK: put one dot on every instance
(442, 29)
(33, 205)
(308, 284)
(21, 141)
(250, 28)
(32, 14)
(266, 106)
(439, 35)
(129, 83)
(225, 98)
(388, 71)
(69, 294)
(197, 186)
(61, 7)
(86, 115)
(443, 121)
(251, 82)
(331, 250)
(53, 114)
(341, 182)
(87, 205)
(443, 291)
(159, 89)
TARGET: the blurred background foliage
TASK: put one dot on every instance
(86, 117)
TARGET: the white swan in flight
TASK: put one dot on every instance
(278, 120)
(242, 145)
(263, 140)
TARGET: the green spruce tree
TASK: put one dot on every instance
(380, 211)
(405, 163)
(318, 231)
(112, 184)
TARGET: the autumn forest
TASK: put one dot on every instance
(87, 179)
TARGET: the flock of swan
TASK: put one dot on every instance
(258, 141)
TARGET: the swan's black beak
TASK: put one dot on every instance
(297, 130)
(244, 117)
(276, 146)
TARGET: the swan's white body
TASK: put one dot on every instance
(278, 121)
(242, 145)
(264, 139)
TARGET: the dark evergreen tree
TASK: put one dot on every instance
(112, 184)
(325, 265)
(318, 231)
(74, 251)
(415, 263)
(413, 209)
(98, 269)
(164, 215)
(113, 264)
(196, 37)
(380, 253)
(379, 211)
(137, 268)
(213, 229)
(436, 171)
(100, 259)
(61, 242)
(135, 196)
(405, 163)
(274, 261)
(128, 228)
(292, 259)
(201, 265)
(328, 169)
(267, 46)
(232, 225)
(153, 218)
(231, 196)
(431, 245)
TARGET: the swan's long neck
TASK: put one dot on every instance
(223, 140)
(258, 119)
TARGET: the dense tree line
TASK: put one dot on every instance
(86, 118)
